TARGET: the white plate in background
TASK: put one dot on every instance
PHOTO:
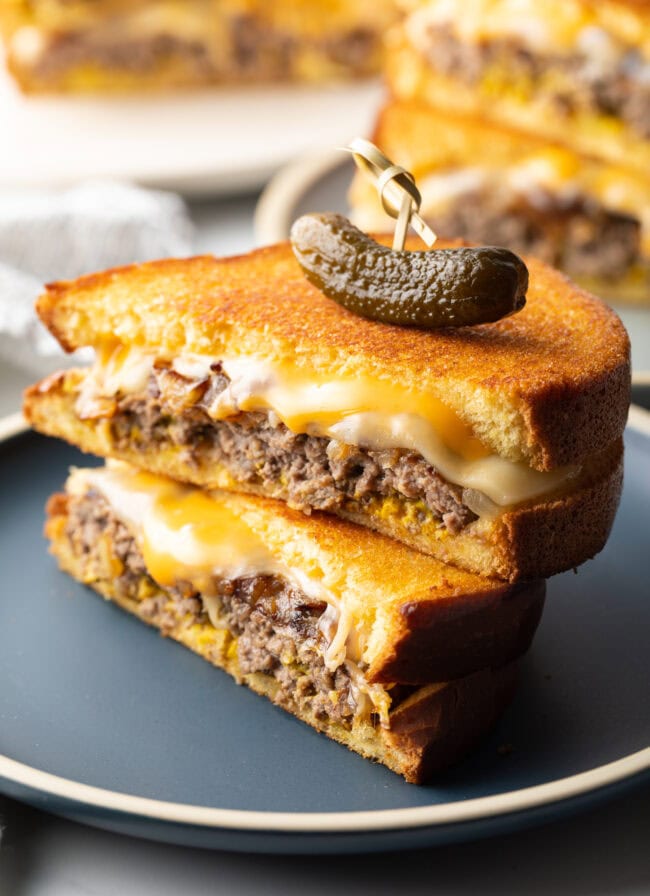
(211, 140)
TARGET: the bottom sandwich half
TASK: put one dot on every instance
(385, 650)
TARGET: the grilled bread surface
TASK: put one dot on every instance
(549, 385)
(429, 620)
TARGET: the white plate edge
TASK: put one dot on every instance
(271, 221)
(227, 175)
(462, 811)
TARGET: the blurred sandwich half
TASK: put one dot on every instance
(106, 45)
(388, 651)
(576, 72)
(495, 185)
(496, 448)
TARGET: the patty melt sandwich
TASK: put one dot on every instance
(106, 45)
(405, 660)
(496, 448)
(575, 71)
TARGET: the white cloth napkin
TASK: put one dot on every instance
(58, 235)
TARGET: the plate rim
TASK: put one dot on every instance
(271, 219)
(437, 815)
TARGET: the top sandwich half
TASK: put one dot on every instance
(496, 447)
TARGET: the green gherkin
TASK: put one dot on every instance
(430, 289)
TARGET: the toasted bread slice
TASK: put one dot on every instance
(474, 445)
(418, 730)
(534, 540)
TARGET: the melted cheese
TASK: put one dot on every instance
(315, 404)
(189, 535)
(376, 414)
(121, 368)
(548, 25)
(355, 411)
(185, 534)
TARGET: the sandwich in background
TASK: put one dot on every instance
(529, 121)
(573, 71)
(390, 652)
(121, 45)
(494, 185)
(496, 448)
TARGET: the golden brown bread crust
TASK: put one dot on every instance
(549, 384)
(403, 130)
(531, 540)
(436, 641)
(432, 728)
(534, 540)
(464, 710)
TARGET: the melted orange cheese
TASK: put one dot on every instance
(361, 411)
(188, 535)
(317, 403)
(195, 536)
(549, 24)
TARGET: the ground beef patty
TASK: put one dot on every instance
(276, 625)
(581, 238)
(253, 51)
(621, 91)
(308, 471)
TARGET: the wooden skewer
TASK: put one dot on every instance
(399, 196)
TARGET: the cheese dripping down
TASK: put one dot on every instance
(192, 536)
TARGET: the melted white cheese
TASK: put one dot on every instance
(309, 407)
(354, 411)
(187, 534)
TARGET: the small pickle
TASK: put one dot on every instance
(430, 289)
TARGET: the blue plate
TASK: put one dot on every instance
(104, 721)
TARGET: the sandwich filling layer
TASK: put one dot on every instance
(185, 555)
(562, 227)
(317, 443)
(598, 75)
(253, 53)
(197, 41)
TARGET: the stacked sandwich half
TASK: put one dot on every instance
(353, 518)
(527, 124)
